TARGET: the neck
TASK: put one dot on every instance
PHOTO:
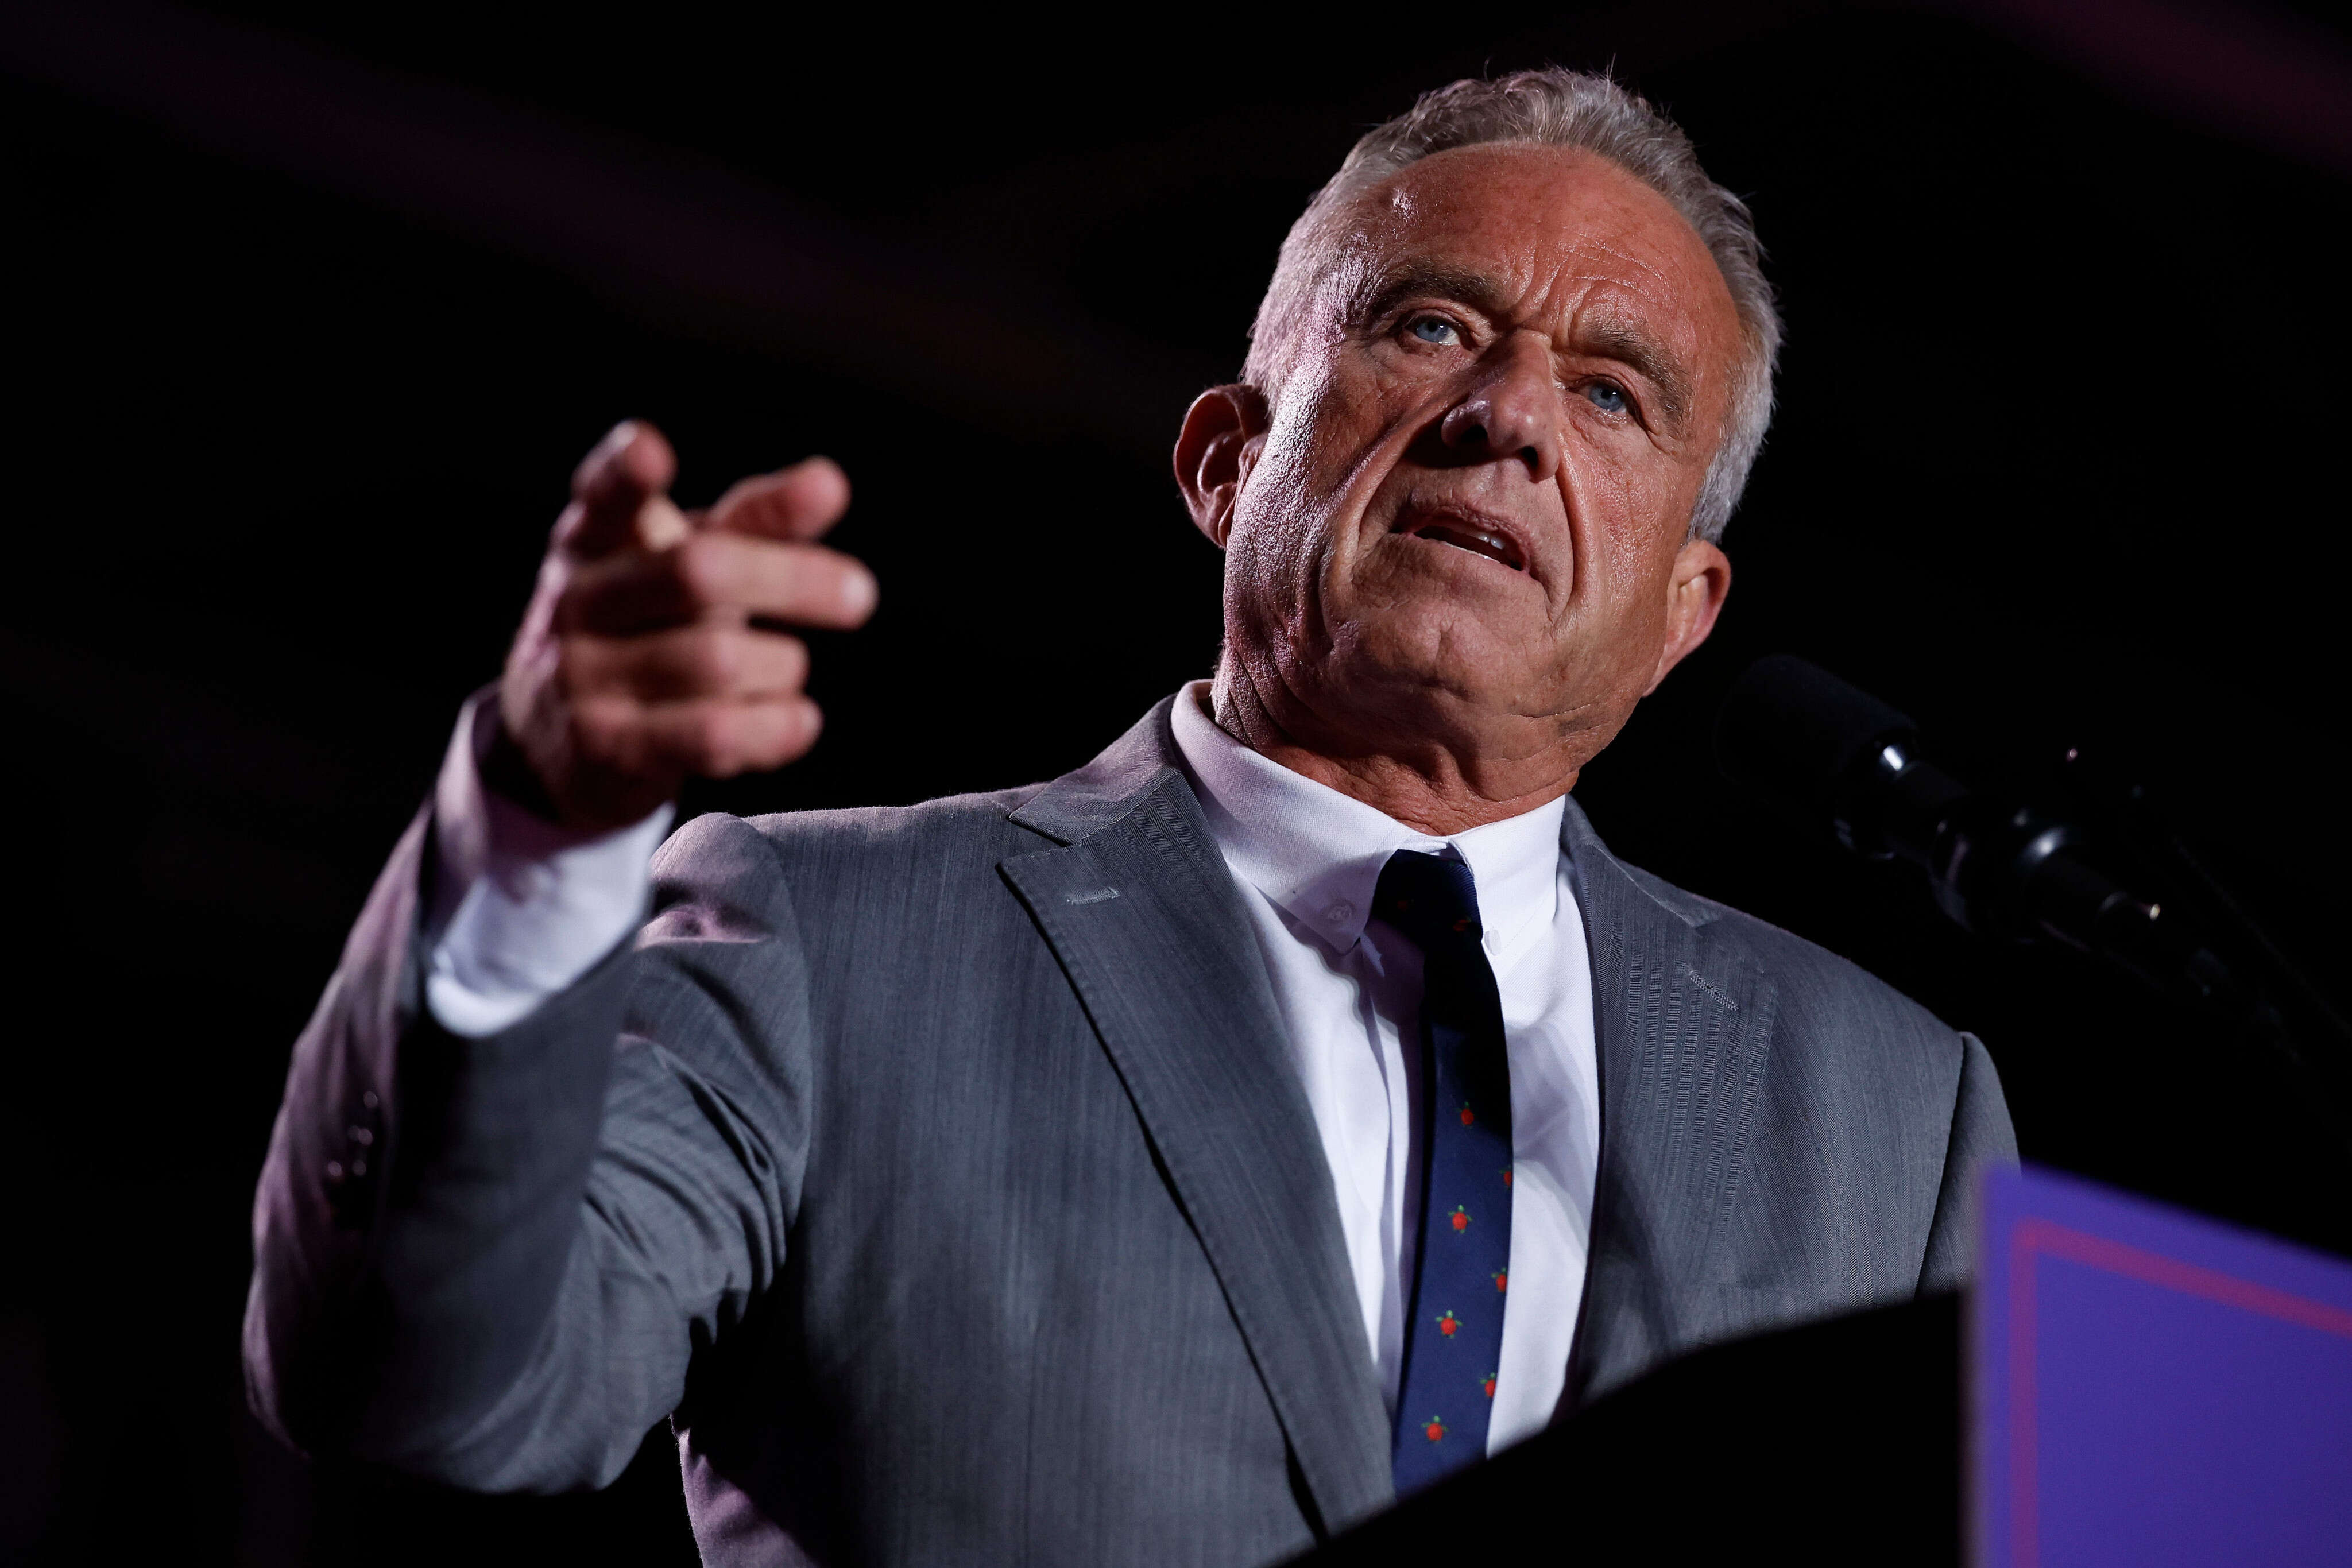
(1432, 786)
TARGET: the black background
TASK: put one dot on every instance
(309, 320)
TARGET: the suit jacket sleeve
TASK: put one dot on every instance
(488, 1261)
(1982, 1136)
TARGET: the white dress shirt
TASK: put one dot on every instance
(523, 909)
(520, 908)
(1305, 858)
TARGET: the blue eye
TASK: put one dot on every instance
(1434, 330)
(1605, 397)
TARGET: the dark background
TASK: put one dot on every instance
(309, 320)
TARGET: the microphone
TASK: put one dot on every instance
(1791, 730)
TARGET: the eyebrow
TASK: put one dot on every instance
(1609, 335)
(1380, 295)
(1613, 337)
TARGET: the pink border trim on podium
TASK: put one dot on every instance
(2042, 1238)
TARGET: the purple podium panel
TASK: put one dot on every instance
(2153, 1388)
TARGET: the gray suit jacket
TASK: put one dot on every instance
(944, 1170)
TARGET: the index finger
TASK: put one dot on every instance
(793, 504)
(631, 466)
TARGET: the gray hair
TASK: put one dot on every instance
(1554, 107)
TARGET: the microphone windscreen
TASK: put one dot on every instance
(1792, 729)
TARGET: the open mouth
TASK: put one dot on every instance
(1462, 534)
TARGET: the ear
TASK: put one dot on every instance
(1223, 431)
(1695, 590)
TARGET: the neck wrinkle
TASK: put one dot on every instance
(1424, 802)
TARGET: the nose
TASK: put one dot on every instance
(1511, 411)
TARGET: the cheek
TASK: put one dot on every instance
(1313, 431)
(1631, 518)
(1269, 552)
(1285, 518)
(1611, 498)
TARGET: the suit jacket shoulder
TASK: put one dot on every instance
(1783, 1136)
(1822, 996)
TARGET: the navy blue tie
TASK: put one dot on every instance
(1454, 1323)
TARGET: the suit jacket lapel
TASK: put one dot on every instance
(1143, 914)
(1684, 1020)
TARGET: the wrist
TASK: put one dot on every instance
(528, 755)
(506, 769)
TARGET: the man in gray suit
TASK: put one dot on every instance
(1171, 1163)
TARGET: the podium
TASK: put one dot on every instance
(2153, 1388)
(2128, 1385)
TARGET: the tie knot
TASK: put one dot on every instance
(1432, 901)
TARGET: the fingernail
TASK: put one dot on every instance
(661, 525)
(860, 592)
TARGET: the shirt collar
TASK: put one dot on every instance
(1318, 853)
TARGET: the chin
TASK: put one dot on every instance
(1429, 678)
